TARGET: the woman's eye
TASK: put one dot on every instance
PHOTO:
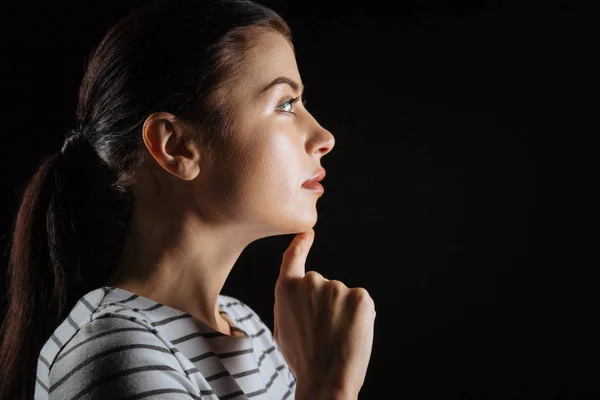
(288, 106)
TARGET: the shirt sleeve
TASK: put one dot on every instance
(115, 357)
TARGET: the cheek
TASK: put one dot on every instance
(283, 159)
(273, 164)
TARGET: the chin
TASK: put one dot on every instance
(290, 220)
(303, 224)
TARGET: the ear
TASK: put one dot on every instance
(169, 141)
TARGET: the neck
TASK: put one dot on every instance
(180, 263)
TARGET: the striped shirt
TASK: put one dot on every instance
(117, 345)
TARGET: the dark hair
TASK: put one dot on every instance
(172, 56)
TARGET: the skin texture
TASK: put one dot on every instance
(195, 214)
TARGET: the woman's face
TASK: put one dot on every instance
(274, 147)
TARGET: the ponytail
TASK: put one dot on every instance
(65, 239)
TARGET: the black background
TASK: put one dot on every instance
(461, 192)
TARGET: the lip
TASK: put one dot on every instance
(313, 183)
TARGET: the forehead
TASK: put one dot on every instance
(269, 56)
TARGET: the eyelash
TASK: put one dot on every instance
(291, 103)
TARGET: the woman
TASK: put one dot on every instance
(192, 142)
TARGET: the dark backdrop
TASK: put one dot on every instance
(461, 191)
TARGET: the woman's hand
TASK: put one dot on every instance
(323, 328)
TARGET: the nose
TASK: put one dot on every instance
(321, 141)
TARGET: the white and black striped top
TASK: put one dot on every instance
(118, 345)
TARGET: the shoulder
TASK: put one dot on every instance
(108, 350)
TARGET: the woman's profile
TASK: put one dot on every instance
(190, 142)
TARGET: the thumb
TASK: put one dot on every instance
(294, 257)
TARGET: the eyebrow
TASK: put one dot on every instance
(283, 80)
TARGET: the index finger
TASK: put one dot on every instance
(294, 257)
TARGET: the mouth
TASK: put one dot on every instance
(313, 184)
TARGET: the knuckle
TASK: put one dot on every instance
(337, 288)
(361, 297)
(338, 284)
(313, 278)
